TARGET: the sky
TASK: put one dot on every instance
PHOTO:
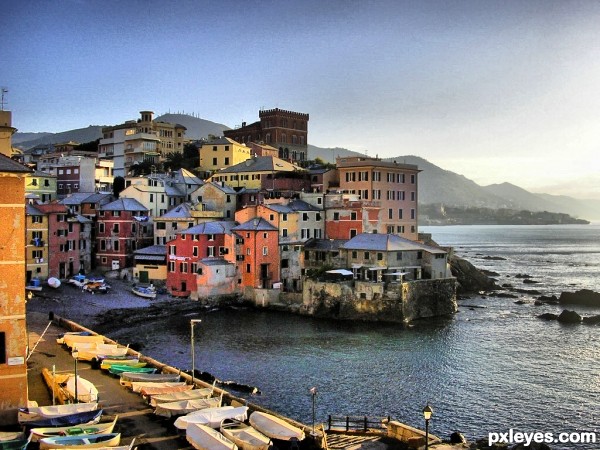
(498, 91)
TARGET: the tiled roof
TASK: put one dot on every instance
(223, 187)
(52, 208)
(124, 204)
(387, 243)
(31, 210)
(75, 199)
(256, 224)
(183, 211)
(262, 164)
(152, 250)
(325, 244)
(221, 141)
(186, 177)
(8, 165)
(214, 227)
(293, 206)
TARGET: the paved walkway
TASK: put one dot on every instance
(136, 419)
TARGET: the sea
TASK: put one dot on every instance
(492, 367)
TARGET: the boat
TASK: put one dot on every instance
(86, 417)
(86, 391)
(128, 377)
(191, 394)
(33, 413)
(96, 287)
(19, 443)
(92, 353)
(77, 280)
(146, 292)
(61, 337)
(274, 427)
(202, 437)
(53, 282)
(71, 340)
(33, 288)
(138, 386)
(182, 407)
(212, 417)
(149, 391)
(35, 434)
(245, 436)
(133, 362)
(118, 369)
(81, 441)
(105, 361)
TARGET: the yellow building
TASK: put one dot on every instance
(42, 186)
(257, 173)
(6, 132)
(221, 153)
(36, 241)
(13, 331)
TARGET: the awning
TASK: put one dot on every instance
(341, 272)
(377, 268)
(397, 273)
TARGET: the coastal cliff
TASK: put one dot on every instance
(469, 278)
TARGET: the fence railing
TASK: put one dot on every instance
(357, 423)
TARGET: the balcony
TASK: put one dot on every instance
(37, 242)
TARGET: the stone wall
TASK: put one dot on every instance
(409, 435)
(374, 302)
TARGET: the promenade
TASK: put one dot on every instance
(136, 419)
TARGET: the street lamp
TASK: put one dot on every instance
(192, 323)
(313, 392)
(427, 413)
(75, 356)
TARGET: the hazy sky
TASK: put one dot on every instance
(494, 90)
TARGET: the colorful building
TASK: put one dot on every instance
(220, 153)
(36, 240)
(42, 186)
(123, 226)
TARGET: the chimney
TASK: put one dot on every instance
(243, 124)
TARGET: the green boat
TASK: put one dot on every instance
(117, 369)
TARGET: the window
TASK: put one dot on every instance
(354, 254)
(413, 213)
(46, 183)
(115, 228)
(352, 233)
(248, 268)
(353, 216)
(116, 213)
(400, 213)
(226, 161)
(183, 267)
(264, 235)
(379, 256)
(100, 228)
(285, 263)
(36, 219)
(399, 256)
(172, 250)
(171, 266)
(284, 232)
(271, 217)
(195, 251)
(413, 196)
(102, 244)
(419, 255)
(336, 216)
(390, 213)
(214, 161)
(211, 251)
(151, 198)
(34, 182)
(318, 217)
(284, 217)
(367, 255)
(304, 217)
(211, 237)
(265, 251)
(116, 246)
(133, 228)
(413, 179)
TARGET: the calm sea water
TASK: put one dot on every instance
(484, 370)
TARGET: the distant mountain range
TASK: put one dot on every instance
(436, 185)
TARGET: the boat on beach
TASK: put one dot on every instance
(19, 443)
(53, 282)
(274, 427)
(138, 386)
(150, 391)
(34, 413)
(129, 377)
(182, 407)
(146, 292)
(212, 417)
(105, 361)
(62, 386)
(86, 417)
(202, 437)
(118, 369)
(245, 436)
(80, 441)
(35, 434)
(192, 394)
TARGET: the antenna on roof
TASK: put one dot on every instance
(4, 91)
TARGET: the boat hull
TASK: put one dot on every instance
(274, 427)
(79, 442)
(202, 437)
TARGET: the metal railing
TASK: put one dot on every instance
(357, 423)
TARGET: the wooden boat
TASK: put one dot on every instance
(96, 287)
(86, 417)
(202, 437)
(149, 391)
(192, 394)
(244, 436)
(61, 338)
(106, 361)
(274, 427)
(212, 417)
(118, 369)
(128, 377)
(146, 292)
(182, 407)
(86, 391)
(46, 412)
(138, 386)
(81, 441)
(70, 340)
(35, 434)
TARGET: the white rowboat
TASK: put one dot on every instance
(274, 427)
(204, 438)
(244, 436)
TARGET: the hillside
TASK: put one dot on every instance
(196, 129)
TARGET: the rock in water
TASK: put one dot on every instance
(569, 317)
(548, 316)
(584, 297)
(469, 278)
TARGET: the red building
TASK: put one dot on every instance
(207, 240)
(346, 216)
(287, 131)
(63, 241)
(122, 228)
(258, 253)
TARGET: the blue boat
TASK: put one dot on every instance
(65, 421)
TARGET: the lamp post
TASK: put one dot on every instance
(313, 392)
(427, 413)
(192, 323)
(75, 356)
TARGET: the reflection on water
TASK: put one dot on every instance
(486, 369)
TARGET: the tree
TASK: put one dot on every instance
(174, 161)
(91, 146)
(118, 186)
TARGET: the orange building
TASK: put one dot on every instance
(13, 331)
(258, 253)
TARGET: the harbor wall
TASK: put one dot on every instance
(387, 302)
